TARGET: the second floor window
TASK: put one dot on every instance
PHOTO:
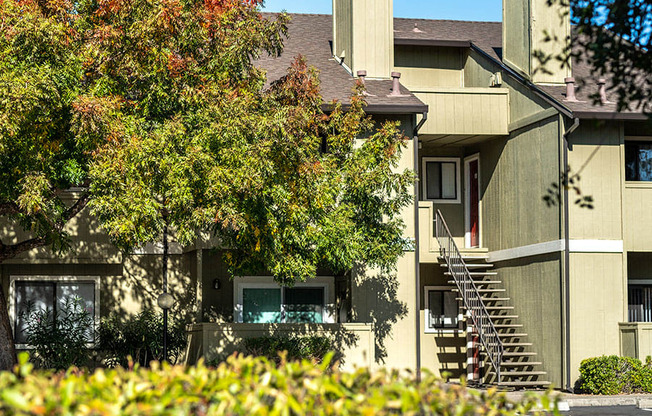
(638, 161)
(441, 179)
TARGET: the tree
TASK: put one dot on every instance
(613, 37)
(44, 122)
(202, 142)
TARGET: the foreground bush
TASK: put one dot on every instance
(243, 386)
(614, 375)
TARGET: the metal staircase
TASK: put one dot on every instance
(501, 337)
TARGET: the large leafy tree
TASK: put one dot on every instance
(157, 108)
(203, 142)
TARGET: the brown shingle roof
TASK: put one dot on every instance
(310, 35)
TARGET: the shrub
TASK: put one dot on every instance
(247, 386)
(60, 339)
(614, 375)
(139, 337)
(313, 348)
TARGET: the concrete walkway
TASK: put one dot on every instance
(642, 401)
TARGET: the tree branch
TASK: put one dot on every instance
(12, 250)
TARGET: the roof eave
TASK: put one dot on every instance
(432, 42)
(385, 108)
(610, 115)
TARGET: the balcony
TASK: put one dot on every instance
(464, 115)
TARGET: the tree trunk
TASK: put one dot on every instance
(7, 348)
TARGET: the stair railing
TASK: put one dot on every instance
(487, 334)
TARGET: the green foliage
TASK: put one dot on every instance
(312, 348)
(614, 375)
(248, 386)
(139, 337)
(60, 339)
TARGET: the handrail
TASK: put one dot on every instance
(487, 334)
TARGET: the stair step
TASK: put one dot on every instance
(485, 299)
(519, 354)
(474, 265)
(503, 317)
(499, 308)
(523, 383)
(520, 363)
(508, 326)
(480, 282)
(482, 290)
(517, 344)
(512, 335)
(519, 373)
(472, 274)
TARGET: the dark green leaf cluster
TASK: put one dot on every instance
(138, 338)
(59, 340)
(614, 375)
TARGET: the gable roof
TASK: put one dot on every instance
(310, 35)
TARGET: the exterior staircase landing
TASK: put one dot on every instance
(519, 367)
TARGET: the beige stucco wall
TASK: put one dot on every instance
(597, 302)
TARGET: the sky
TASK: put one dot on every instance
(477, 10)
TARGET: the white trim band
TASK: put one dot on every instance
(527, 251)
(575, 246)
(595, 246)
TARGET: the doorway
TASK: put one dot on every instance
(472, 201)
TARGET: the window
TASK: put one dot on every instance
(442, 308)
(639, 302)
(51, 293)
(441, 179)
(638, 161)
(260, 300)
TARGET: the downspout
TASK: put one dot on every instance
(567, 133)
(417, 277)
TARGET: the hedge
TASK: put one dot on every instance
(244, 386)
(614, 375)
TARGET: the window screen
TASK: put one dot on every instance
(441, 180)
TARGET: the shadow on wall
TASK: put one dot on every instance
(141, 282)
(451, 354)
(381, 306)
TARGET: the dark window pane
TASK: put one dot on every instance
(433, 180)
(31, 297)
(261, 305)
(304, 304)
(638, 161)
(443, 309)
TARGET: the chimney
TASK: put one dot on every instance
(363, 36)
(396, 85)
(602, 91)
(361, 74)
(570, 89)
(531, 28)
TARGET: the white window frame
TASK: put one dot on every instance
(458, 179)
(267, 282)
(427, 328)
(52, 278)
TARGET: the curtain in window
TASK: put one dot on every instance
(304, 304)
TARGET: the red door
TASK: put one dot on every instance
(474, 204)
